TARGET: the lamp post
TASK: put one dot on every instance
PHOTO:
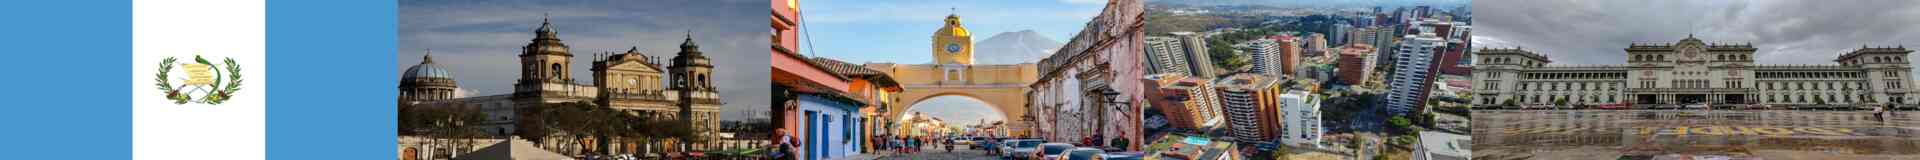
(1118, 104)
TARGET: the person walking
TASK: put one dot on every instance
(899, 146)
(991, 145)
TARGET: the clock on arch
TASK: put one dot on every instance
(953, 48)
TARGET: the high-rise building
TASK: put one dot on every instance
(1413, 73)
(1189, 102)
(1356, 61)
(1363, 35)
(1383, 44)
(1338, 34)
(1289, 56)
(1195, 47)
(1302, 112)
(1316, 45)
(1166, 55)
(1264, 53)
(1250, 103)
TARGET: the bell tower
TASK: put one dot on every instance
(952, 44)
(692, 83)
(545, 59)
(691, 69)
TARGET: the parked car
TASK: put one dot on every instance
(1123, 156)
(1082, 153)
(1018, 148)
(1697, 106)
(963, 140)
(1050, 151)
(981, 143)
(1614, 106)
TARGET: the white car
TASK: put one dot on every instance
(1050, 151)
(1701, 106)
(1018, 148)
(1082, 153)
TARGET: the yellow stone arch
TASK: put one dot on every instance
(1003, 86)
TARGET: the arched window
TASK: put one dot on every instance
(556, 71)
(703, 80)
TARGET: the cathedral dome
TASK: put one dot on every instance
(426, 82)
(425, 70)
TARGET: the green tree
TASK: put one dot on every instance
(1559, 101)
(1225, 56)
(1509, 103)
(1400, 123)
(1819, 101)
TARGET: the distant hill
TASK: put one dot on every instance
(1022, 46)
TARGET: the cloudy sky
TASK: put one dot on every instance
(478, 39)
(1785, 32)
(899, 31)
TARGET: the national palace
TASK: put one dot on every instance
(1694, 72)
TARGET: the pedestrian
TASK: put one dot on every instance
(913, 145)
(991, 145)
(898, 145)
(1086, 141)
(785, 146)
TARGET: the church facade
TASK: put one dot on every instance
(1694, 72)
(679, 88)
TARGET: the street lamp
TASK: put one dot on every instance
(1118, 103)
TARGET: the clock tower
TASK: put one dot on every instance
(952, 44)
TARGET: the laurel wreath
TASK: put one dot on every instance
(219, 94)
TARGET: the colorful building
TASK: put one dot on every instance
(871, 86)
(813, 102)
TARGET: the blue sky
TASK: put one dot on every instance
(863, 31)
(478, 39)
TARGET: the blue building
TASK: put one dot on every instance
(831, 126)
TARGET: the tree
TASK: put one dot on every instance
(1819, 101)
(1509, 103)
(1399, 123)
(1279, 154)
(1559, 101)
(1225, 56)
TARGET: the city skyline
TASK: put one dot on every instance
(477, 41)
(1786, 32)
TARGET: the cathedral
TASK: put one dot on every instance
(628, 81)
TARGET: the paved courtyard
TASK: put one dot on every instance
(1694, 134)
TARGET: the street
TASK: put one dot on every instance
(930, 152)
(1652, 134)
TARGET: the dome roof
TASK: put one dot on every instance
(426, 69)
(953, 27)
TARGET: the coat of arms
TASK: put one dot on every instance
(211, 83)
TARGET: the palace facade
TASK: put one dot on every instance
(1694, 72)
